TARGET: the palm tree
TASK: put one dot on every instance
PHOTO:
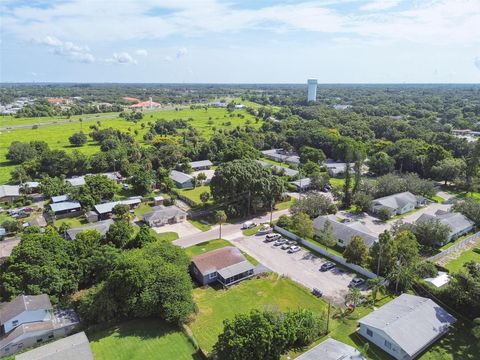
(220, 218)
(354, 295)
(377, 284)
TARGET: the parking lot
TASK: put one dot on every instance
(302, 267)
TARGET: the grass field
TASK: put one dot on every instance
(72, 222)
(251, 231)
(167, 236)
(457, 264)
(199, 225)
(272, 292)
(56, 135)
(141, 339)
(194, 194)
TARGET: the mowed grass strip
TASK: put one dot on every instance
(141, 339)
(272, 292)
(457, 264)
(194, 194)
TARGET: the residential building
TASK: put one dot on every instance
(59, 198)
(406, 326)
(104, 211)
(31, 186)
(66, 209)
(302, 184)
(337, 168)
(181, 179)
(3, 233)
(226, 265)
(91, 216)
(9, 193)
(163, 215)
(38, 221)
(458, 223)
(76, 181)
(101, 226)
(281, 155)
(399, 203)
(73, 347)
(158, 200)
(149, 104)
(201, 165)
(30, 320)
(332, 349)
(279, 169)
(344, 231)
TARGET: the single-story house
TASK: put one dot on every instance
(158, 200)
(279, 169)
(101, 226)
(332, 349)
(91, 216)
(73, 347)
(302, 184)
(116, 176)
(181, 179)
(38, 221)
(398, 203)
(164, 215)
(9, 193)
(344, 231)
(105, 210)
(76, 181)
(66, 208)
(226, 265)
(59, 198)
(281, 155)
(458, 223)
(337, 168)
(201, 165)
(32, 185)
(406, 326)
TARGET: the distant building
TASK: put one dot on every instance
(66, 209)
(164, 215)
(226, 265)
(130, 99)
(59, 198)
(102, 227)
(337, 168)
(399, 203)
(302, 184)
(281, 155)
(332, 349)
(345, 231)
(458, 223)
(149, 104)
(312, 90)
(73, 347)
(76, 181)
(9, 193)
(201, 165)
(181, 179)
(104, 211)
(406, 326)
(279, 169)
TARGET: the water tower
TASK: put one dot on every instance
(312, 90)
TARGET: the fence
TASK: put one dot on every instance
(454, 247)
(326, 253)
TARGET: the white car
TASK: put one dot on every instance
(294, 249)
(248, 225)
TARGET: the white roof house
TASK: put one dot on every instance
(406, 326)
(458, 223)
(282, 156)
(302, 184)
(345, 231)
(279, 169)
(9, 192)
(181, 179)
(107, 208)
(76, 181)
(201, 164)
(332, 349)
(398, 203)
(336, 168)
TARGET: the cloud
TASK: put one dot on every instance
(141, 52)
(380, 5)
(168, 58)
(68, 49)
(476, 62)
(122, 58)
(183, 51)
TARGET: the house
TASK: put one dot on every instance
(406, 326)
(38, 221)
(149, 104)
(59, 198)
(66, 209)
(399, 203)
(101, 226)
(201, 165)
(302, 184)
(337, 168)
(76, 181)
(279, 169)
(91, 216)
(9, 193)
(116, 176)
(32, 186)
(281, 155)
(344, 231)
(30, 320)
(104, 211)
(458, 223)
(332, 349)
(73, 347)
(226, 265)
(181, 179)
(163, 215)
(158, 200)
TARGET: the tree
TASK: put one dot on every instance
(347, 195)
(476, 330)
(142, 180)
(97, 188)
(308, 153)
(78, 139)
(194, 182)
(119, 234)
(201, 177)
(52, 186)
(449, 169)
(121, 211)
(19, 175)
(204, 197)
(363, 201)
(303, 225)
(431, 232)
(19, 152)
(143, 238)
(318, 181)
(313, 205)
(384, 214)
(381, 163)
(354, 295)
(220, 218)
(383, 254)
(284, 221)
(311, 168)
(356, 252)
(327, 236)
(470, 208)
(376, 285)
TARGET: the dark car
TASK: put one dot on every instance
(327, 266)
(317, 292)
(356, 282)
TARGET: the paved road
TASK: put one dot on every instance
(229, 231)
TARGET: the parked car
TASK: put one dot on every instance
(317, 292)
(248, 225)
(286, 246)
(279, 242)
(265, 229)
(356, 282)
(272, 237)
(294, 249)
(327, 266)
(326, 188)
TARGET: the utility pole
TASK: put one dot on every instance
(379, 256)
(249, 199)
(328, 317)
(271, 212)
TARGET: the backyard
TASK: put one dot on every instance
(194, 194)
(457, 264)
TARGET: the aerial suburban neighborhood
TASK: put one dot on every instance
(227, 180)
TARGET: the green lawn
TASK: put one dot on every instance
(141, 339)
(285, 204)
(337, 182)
(167, 236)
(272, 292)
(213, 245)
(142, 209)
(194, 194)
(457, 264)
(252, 231)
(72, 222)
(200, 225)
(437, 199)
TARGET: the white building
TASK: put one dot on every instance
(312, 90)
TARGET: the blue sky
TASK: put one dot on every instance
(215, 41)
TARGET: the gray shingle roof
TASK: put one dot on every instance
(180, 177)
(287, 171)
(166, 212)
(23, 303)
(279, 154)
(218, 259)
(200, 163)
(9, 190)
(396, 201)
(332, 349)
(455, 221)
(74, 347)
(65, 206)
(345, 231)
(108, 207)
(302, 183)
(59, 198)
(411, 321)
(101, 226)
(76, 181)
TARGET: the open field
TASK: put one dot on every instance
(194, 194)
(272, 292)
(56, 135)
(456, 264)
(141, 339)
